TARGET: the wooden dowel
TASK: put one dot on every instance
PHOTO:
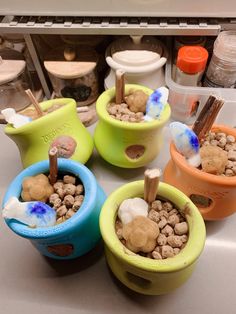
(120, 86)
(207, 116)
(34, 103)
(53, 169)
(151, 181)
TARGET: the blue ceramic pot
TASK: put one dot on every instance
(77, 235)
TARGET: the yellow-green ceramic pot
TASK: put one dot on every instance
(60, 126)
(127, 144)
(142, 274)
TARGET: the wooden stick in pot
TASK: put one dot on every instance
(120, 86)
(207, 116)
(35, 103)
(151, 181)
(53, 168)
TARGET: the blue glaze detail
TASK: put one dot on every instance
(37, 208)
(186, 141)
(42, 214)
(156, 104)
(81, 231)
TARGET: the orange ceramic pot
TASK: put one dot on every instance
(215, 196)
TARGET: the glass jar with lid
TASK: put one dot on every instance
(14, 80)
(73, 73)
(221, 71)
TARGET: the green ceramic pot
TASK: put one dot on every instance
(126, 144)
(34, 139)
(145, 275)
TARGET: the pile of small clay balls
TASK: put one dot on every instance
(218, 154)
(157, 231)
(67, 197)
(132, 110)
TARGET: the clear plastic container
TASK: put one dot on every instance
(186, 101)
(221, 71)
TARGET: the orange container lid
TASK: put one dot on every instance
(192, 59)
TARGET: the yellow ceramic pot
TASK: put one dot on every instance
(145, 275)
(35, 138)
(127, 144)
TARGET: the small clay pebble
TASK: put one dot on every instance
(69, 189)
(162, 222)
(70, 213)
(156, 205)
(173, 220)
(163, 213)
(53, 197)
(167, 251)
(68, 201)
(232, 155)
(61, 211)
(58, 185)
(154, 215)
(57, 203)
(184, 238)
(174, 241)
(162, 239)
(173, 211)
(230, 139)
(69, 179)
(79, 189)
(167, 206)
(176, 250)
(61, 193)
(60, 220)
(79, 198)
(156, 255)
(181, 228)
(76, 205)
(167, 230)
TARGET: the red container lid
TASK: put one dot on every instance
(192, 59)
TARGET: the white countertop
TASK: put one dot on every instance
(33, 284)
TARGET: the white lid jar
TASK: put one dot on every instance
(75, 77)
(142, 59)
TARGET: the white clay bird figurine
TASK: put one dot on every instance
(156, 103)
(33, 214)
(186, 142)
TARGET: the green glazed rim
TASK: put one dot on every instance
(187, 256)
(109, 94)
(57, 114)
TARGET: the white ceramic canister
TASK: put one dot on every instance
(142, 59)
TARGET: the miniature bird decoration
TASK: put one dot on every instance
(156, 103)
(33, 214)
(186, 142)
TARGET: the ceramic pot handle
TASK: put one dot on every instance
(131, 69)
